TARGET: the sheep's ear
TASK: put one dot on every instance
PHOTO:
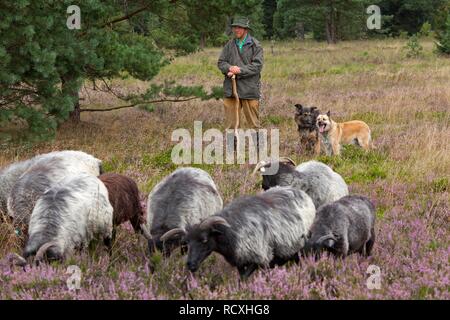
(299, 107)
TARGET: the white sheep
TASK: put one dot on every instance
(69, 216)
(44, 172)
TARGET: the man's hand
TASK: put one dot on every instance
(235, 69)
(230, 74)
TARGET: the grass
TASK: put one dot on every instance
(406, 103)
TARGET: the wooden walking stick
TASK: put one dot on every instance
(236, 108)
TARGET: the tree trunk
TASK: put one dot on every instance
(331, 26)
(300, 30)
(202, 41)
(75, 114)
(70, 88)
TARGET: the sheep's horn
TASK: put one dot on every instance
(259, 165)
(145, 231)
(42, 250)
(213, 220)
(17, 260)
(169, 234)
(325, 237)
(286, 159)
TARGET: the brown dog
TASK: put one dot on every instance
(333, 134)
(305, 117)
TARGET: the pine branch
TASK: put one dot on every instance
(138, 103)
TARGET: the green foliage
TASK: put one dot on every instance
(425, 30)
(413, 47)
(359, 166)
(411, 15)
(190, 24)
(346, 19)
(440, 185)
(443, 43)
(43, 63)
(273, 119)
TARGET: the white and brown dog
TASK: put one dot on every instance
(333, 134)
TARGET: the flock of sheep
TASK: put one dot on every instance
(61, 201)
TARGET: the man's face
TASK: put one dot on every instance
(239, 32)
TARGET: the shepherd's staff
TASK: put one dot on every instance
(236, 108)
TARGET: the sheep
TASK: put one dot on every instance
(343, 227)
(69, 216)
(263, 230)
(318, 180)
(10, 174)
(45, 172)
(8, 177)
(180, 200)
(124, 197)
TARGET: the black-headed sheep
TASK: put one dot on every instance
(317, 179)
(264, 230)
(180, 200)
(344, 227)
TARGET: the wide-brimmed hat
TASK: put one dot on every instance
(242, 22)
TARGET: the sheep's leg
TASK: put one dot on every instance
(341, 247)
(246, 271)
(277, 261)
(369, 244)
(151, 247)
(295, 258)
(109, 243)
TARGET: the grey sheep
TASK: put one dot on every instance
(344, 227)
(317, 179)
(67, 217)
(264, 230)
(180, 200)
(45, 171)
(8, 177)
(11, 174)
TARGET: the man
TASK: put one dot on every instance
(242, 57)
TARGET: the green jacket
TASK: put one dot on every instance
(250, 61)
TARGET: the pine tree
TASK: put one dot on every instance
(443, 43)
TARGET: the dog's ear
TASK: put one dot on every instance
(329, 113)
(299, 107)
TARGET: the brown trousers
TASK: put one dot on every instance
(250, 109)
